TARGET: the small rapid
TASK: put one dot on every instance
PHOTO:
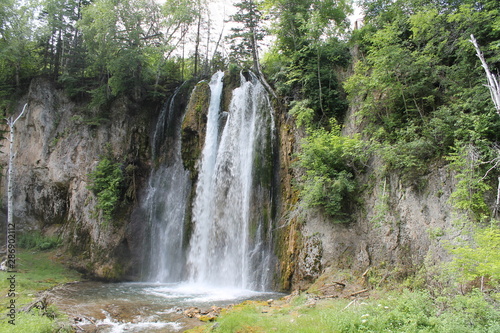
(142, 307)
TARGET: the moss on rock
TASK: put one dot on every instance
(194, 126)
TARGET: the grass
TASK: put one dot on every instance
(36, 271)
(35, 240)
(406, 311)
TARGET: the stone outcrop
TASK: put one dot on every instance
(395, 227)
(57, 144)
(194, 127)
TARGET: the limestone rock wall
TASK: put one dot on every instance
(57, 144)
(395, 225)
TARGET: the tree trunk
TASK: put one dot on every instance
(206, 68)
(492, 79)
(197, 46)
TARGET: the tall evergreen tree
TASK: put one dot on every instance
(246, 38)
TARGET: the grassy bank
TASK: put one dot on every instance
(402, 311)
(36, 270)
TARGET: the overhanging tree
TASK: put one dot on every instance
(492, 85)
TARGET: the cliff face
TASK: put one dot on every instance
(57, 144)
(395, 227)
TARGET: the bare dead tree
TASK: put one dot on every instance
(494, 88)
(492, 79)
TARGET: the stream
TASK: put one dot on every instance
(142, 307)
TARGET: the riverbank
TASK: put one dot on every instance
(22, 310)
(400, 310)
(329, 306)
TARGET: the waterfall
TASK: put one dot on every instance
(230, 244)
(167, 194)
(227, 241)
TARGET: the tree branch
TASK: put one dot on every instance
(492, 79)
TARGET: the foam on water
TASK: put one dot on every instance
(144, 307)
(110, 325)
(188, 293)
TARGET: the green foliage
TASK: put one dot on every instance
(106, 48)
(469, 194)
(297, 24)
(302, 113)
(35, 240)
(118, 55)
(36, 271)
(311, 73)
(404, 311)
(331, 193)
(106, 182)
(421, 87)
(29, 322)
(307, 55)
(481, 257)
(244, 39)
(19, 60)
(330, 161)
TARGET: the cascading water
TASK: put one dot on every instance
(218, 253)
(231, 213)
(231, 219)
(167, 196)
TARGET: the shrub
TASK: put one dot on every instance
(481, 257)
(106, 183)
(35, 240)
(330, 161)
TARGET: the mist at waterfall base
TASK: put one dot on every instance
(142, 307)
(222, 253)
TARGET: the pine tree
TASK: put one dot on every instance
(245, 39)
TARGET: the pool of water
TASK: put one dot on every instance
(142, 307)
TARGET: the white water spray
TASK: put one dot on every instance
(168, 191)
(228, 246)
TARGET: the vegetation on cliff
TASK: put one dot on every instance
(416, 91)
(106, 182)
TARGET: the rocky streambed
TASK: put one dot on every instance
(144, 307)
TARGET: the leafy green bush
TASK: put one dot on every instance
(480, 258)
(468, 196)
(35, 240)
(106, 183)
(330, 161)
(406, 311)
(302, 113)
